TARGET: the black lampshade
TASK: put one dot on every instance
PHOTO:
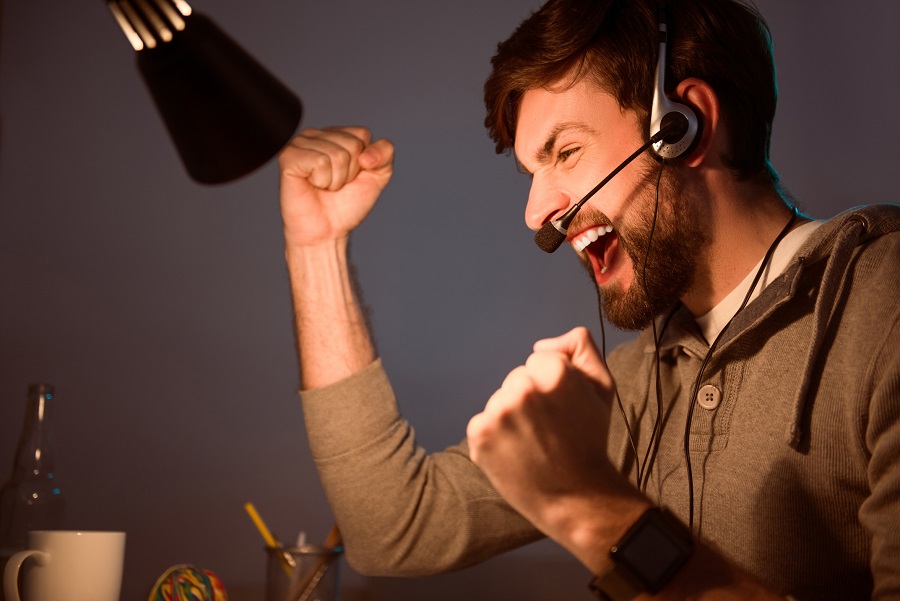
(226, 114)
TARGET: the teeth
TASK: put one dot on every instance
(592, 235)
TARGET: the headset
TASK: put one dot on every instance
(664, 110)
(664, 113)
(674, 132)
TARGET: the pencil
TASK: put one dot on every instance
(287, 561)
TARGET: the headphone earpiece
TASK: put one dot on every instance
(664, 111)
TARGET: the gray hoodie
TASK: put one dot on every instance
(796, 470)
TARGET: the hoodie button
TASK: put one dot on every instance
(709, 397)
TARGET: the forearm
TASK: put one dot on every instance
(333, 338)
(330, 180)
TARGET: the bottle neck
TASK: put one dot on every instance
(34, 454)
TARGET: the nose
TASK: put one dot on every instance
(544, 204)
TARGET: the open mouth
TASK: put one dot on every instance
(599, 242)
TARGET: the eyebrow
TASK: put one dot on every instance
(544, 153)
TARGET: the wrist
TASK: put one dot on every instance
(591, 540)
(589, 525)
(301, 245)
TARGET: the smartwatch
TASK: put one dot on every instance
(646, 557)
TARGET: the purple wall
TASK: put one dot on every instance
(160, 309)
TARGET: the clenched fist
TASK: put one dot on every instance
(330, 180)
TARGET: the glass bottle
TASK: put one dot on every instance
(31, 499)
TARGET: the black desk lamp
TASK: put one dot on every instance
(226, 114)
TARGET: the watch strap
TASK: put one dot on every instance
(615, 585)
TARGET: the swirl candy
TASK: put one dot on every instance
(188, 583)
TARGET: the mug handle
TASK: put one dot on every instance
(11, 573)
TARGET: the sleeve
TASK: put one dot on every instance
(880, 513)
(401, 511)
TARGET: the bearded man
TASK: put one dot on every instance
(746, 444)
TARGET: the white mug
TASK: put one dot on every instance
(67, 565)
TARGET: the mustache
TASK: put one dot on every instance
(589, 217)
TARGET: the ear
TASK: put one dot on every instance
(701, 97)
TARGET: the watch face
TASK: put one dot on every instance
(653, 552)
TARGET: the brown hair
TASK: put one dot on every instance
(615, 43)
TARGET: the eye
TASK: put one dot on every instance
(564, 155)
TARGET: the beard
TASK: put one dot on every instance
(665, 273)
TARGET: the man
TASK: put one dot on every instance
(761, 404)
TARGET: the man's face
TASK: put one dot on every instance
(568, 141)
